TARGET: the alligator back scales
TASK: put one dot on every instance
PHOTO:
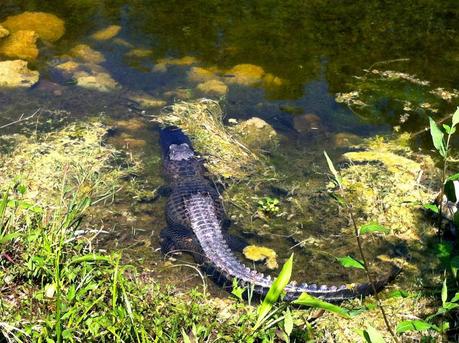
(195, 217)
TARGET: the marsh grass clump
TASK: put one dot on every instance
(75, 154)
(226, 155)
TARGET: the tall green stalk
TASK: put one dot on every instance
(348, 207)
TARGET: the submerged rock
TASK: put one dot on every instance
(68, 68)
(48, 26)
(145, 100)
(162, 64)
(16, 74)
(213, 87)
(3, 32)
(256, 133)
(107, 33)
(139, 53)
(270, 80)
(246, 74)
(199, 74)
(20, 44)
(257, 254)
(346, 139)
(87, 54)
(179, 94)
(308, 122)
(100, 81)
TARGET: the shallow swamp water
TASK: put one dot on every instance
(324, 76)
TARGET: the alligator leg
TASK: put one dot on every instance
(178, 238)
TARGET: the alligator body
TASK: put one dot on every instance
(196, 224)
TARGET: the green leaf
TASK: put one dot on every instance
(275, 291)
(448, 306)
(455, 298)
(399, 294)
(288, 322)
(453, 177)
(447, 129)
(450, 190)
(455, 262)
(6, 238)
(349, 262)
(372, 335)
(444, 250)
(437, 137)
(186, 338)
(432, 207)
(332, 169)
(308, 300)
(91, 258)
(237, 291)
(455, 118)
(413, 325)
(444, 292)
(373, 228)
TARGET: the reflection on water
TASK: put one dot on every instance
(281, 61)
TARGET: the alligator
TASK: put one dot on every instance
(197, 224)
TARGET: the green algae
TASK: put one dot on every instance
(394, 97)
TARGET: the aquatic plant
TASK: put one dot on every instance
(269, 205)
(447, 183)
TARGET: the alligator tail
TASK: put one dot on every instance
(223, 266)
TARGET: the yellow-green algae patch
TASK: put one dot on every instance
(74, 156)
(225, 153)
(48, 26)
(257, 254)
(384, 182)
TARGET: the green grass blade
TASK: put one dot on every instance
(332, 169)
(455, 119)
(349, 262)
(370, 228)
(413, 325)
(437, 137)
(275, 291)
(308, 300)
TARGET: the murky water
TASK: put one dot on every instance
(301, 55)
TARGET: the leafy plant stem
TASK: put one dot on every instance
(348, 208)
(443, 179)
(367, 271)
